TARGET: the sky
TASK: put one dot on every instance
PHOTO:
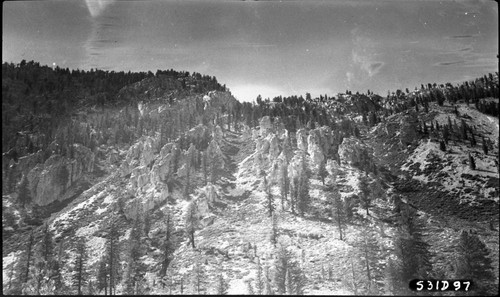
(264, 47)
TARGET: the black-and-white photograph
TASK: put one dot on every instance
(246, 147)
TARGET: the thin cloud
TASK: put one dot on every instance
(449, 63)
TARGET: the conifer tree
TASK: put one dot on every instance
(442, 146)
(102, 276)
(369, 250)
(412, 250)
(322, 173)
(135, 271)
(250, 287)
(473, 262)
(284, 184)
(269, 198)
(393, 284)
(24, 196)
(259, 282)
(274, 231)
(281, 265)
(365, 193)
(113, 258)
(463, 129)
(199, 275)
(222, 286)
(80, 275)
(288, 277)
(472, 163)
(191, 222)
(303, 198)
(24, 265)
(167, 245)
(268, 289)
(337, 210)
(446, 133)
(294, 191)
(485, 147)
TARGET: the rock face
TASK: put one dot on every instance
(49, 181)
(274, 149)
(314, 148)
(408, 131)
(140, 154)
(352, 150)
(265, 126)
(302, 139)
(204, 201)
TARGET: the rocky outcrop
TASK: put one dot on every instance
(49, 181)
(302, 140)
(274, 149)
(314, 148)
(353, 151)
(265, 126)
(408, 131)
(139, 177)
(140, 154)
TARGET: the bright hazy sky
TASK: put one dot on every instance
(264, 47)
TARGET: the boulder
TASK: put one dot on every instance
(207, 221)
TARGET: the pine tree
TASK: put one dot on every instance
(167, 245)
(281, 265)
(200, 276)
(365, 193)
(102, 276)
(191, 221)
(303, 198)
(294, 191)
(274, 231)
(135, 271)
(411, 249)
(297, 280)
(284, 184)
(259, 282)
(269, 198)
(222, 285)
(393, 284)
(268, 289)
(337, 207)
(113, 258)
(369, 250)
(463, 129)
(24, 196)
(24, 263)
(485, 147)
(322, 173)
(250, 287)
(473, 262)
(446, 133)
(472, 163)
(80, 274)
(45, 261)
(442, 146)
